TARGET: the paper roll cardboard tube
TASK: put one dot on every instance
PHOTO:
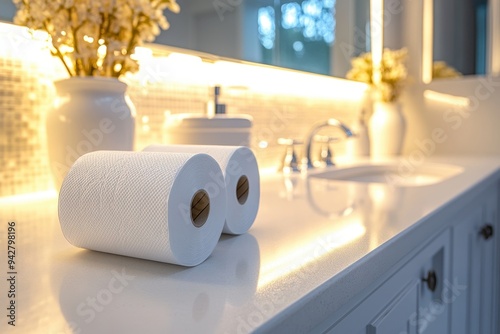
(240, 177)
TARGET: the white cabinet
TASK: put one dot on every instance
(450, 285)
(399, 316)
(473, 304)
(410, 301)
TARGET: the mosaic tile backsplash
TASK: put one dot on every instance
(24, 102)
(285, 107)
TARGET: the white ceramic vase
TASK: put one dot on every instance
(358, 146)
(387, 129)
(90, 114)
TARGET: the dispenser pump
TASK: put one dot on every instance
(219, 107)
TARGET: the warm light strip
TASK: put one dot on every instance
(377, 36)
(142, 53)
(186, 68)
(20, 43)
(312, 250)
(458, 101)
(30, 197)
(271, 80)
(184, 59)
(494, 37)
(427, 41)
(176, 67)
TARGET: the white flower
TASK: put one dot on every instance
(80, 28)
(392, 69)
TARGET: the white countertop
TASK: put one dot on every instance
(309, 234)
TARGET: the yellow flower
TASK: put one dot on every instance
(442, 70)
(393, 73)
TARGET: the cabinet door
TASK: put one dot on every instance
(399, 316)
(404, 303)
(472, 291)
(489, 268)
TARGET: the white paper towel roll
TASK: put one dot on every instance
(143, 204)
(241, 179)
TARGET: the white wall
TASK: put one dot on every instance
(469, 130)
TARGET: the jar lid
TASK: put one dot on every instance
(203, 121)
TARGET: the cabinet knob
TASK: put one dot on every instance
(431, 280)
(487, 231)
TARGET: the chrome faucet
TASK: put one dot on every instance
(307, 159)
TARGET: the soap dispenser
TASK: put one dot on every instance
(219, 107)
(214, 127)
(214, 107)
(359, 145)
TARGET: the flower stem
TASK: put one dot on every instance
(59, 53)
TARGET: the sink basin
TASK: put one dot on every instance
(391, 173)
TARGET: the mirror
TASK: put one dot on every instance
(460, 35)
(319, 36)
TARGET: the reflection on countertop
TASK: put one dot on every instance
(87, 282)
(307, 233)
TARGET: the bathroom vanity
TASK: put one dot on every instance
(327, 254)
(437, 275)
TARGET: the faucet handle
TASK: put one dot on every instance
(310, 138)
(326, 139)
(290, 162)
(325, 154)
